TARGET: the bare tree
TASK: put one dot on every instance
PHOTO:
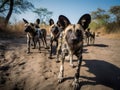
(7, 7)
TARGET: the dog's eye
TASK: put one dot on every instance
(69, 31)
(78, 32)
(53, 27)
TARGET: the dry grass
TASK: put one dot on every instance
(102, 32)
(13, 30)
(112, 36)
(17, 29)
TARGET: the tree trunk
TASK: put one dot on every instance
(9, 12)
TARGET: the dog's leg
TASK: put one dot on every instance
(88, 40)
(71, 58)
(51, 42)
(93, 38)
(61, 73)
(59, 48)
(75, 83)
(39, 46)
(44, 40)
(28, 44)
(85, 39)
(34, 42)
(58, 52)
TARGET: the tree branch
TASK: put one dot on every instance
(4, 3)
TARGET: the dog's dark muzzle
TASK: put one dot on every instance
(55, 30)
(26, 30)
(72, 38)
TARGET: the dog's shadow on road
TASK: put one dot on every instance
(97, 45)
(100, 45)
(105, 74)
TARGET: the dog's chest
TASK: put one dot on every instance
(74, 48)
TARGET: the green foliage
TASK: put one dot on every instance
(19, 6)
(43, 13)
(113, 27)
(100, 15)
(94, 25)
(7, 7)
(115, 10)
(102, 18)
(22, 6)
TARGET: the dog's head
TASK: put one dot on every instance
(54, 28)
(29, 27)
(73, 33)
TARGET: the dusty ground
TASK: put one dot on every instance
(100, 68)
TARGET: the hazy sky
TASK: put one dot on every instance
(73, 9)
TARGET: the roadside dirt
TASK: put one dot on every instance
(100, 68)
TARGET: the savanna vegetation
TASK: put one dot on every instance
(10, 7)
(102, 20)
(106, 21)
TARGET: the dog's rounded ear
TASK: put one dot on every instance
(63, 21)
(25, 21)
(38, 21)
(51, 22)
(85, 21)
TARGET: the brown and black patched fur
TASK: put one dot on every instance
(89, 37)
(72, 43)
(55, 31)
(33, 36)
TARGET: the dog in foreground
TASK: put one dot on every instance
(72, 43)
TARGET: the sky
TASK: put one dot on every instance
(73, 9)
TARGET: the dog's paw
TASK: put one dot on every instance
(60, 80)
(28, 52)
(76, 85)
(72, 65)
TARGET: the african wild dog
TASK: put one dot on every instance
(72, 43)
(89, 37)
(55, 31)
(43, 35)
(32, 35)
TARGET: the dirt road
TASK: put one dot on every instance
(100, 68)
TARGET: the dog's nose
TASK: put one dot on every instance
(73, 36)
(74, 40)
(56, 28)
